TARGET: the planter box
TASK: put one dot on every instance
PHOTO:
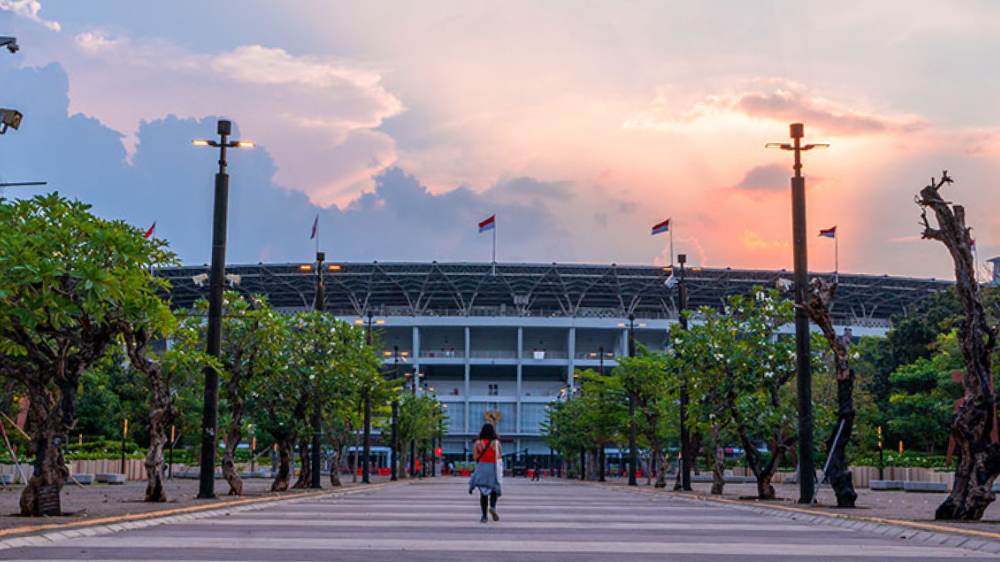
(925, 487)
(111, 478)
(7, 479)
(84, 478)
(885, 484)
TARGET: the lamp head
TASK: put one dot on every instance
(225, 127)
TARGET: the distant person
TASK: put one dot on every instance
(487, 478)
(537, 474)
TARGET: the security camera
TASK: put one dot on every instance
(671, 281)
(200, 279)
(10, 43)
(9, 118)
(783, 284)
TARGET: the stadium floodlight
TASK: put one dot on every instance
(10, 43)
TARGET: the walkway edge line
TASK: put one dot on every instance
(27, 536)
(911, 530)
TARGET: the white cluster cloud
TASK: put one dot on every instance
(28, 9)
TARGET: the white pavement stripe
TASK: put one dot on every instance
(796, 551)
(453, 524)
(475, 503)
(422, 514)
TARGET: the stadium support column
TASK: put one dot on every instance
(520, 382)
(468, 405)
(571, 353)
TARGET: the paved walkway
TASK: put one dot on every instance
(437, 520)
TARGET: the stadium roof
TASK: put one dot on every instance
(471, 289)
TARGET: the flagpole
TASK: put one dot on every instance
(836, 258)
(671, 243)
(494, 246)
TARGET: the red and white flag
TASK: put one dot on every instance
(151, 230)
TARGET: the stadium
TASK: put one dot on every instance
(508, 337)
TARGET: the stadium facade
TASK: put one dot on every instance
(509, 337)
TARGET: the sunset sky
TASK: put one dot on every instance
(579, 123)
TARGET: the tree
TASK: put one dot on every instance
(66, 277)
(741, 375)
(974, 424)
(419, 418)
(650, 379)
(818, 309)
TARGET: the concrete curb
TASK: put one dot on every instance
(939, 535)
(31, 536)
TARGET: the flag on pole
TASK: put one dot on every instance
(488, 224)
(829, 232)
(972, 246)
(661, 227)
(315, 228)
(151, 230)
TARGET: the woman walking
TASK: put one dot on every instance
(487, 478)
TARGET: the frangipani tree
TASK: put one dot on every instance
(69, 282)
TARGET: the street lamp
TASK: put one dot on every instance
(807, 464)
(10, 43)
(600, 456)
(319, 305)
(365, 463)
(413, 444)
(685, 436)
(395, 416)
(633, 458)
(213, 346)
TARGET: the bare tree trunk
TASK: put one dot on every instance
(973, 427)
(338, 454)
(718, 461)
(284, 473)
(661, 474)
(231, 440)
(838, 472)
(695, 446)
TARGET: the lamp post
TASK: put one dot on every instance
(685, 436)
(395, 418)
(807, 463)
(365, 462)
(413, 442)
(319, 305)
(600, 453)
(633, 459)
(213, 345)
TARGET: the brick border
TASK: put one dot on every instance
(30, 536)
(979, 541)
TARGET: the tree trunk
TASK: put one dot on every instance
(973, 424)
(718, 461)
(661, 474)
(231, 441)
(354, 469)
(694, 444)
(284, 473)
(837, 472)
(338, 453)
(161, 415)
(50, 472)
(305, 467)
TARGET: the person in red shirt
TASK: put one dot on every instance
(487, 477)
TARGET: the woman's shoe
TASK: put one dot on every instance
(483, 520)
(493, 512)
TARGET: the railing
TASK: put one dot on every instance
(443, 354)
(545, 354)
(492, 354)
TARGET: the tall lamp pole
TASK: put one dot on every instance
(633, 457)
(319, 305)
(395, 419)
(807, 463)
(365, 462)
(213, 345)
(600, 453)
(685, 435)
(413, 442)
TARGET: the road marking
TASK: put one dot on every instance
(290, 545)
(452, 523)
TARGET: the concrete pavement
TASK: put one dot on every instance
(437, 520)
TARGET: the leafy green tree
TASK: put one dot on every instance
(419, 418)
(650, 380)
(923, 397)
(67, 280)
(740, 372)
